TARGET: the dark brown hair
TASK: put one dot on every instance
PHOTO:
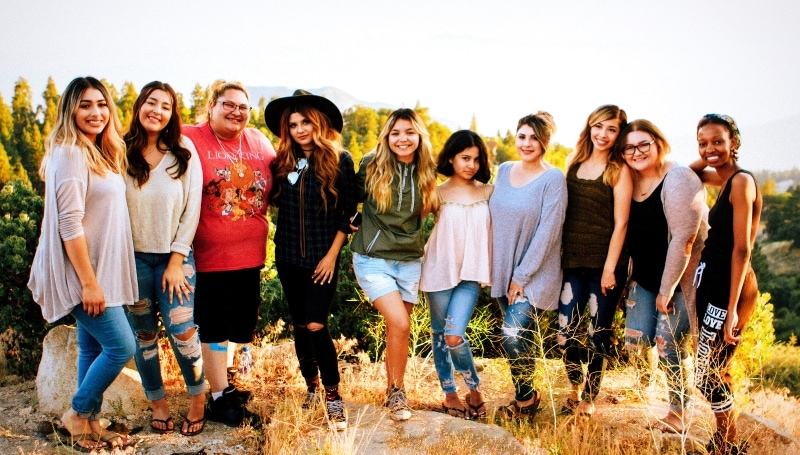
(457, 143)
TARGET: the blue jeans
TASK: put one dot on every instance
(522, 337)
(451, 311)
(178, 319)
(644, 326)
(581, 288)
(105, 344)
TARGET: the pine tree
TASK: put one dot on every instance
(125, 105)
(7, 131)
(27, 136)
(199, 100)
(51, 97)
(473, 125)
(186, 113)
(6, 170)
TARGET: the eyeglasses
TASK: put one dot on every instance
(642, 148)
(227, 106)
(294, 175)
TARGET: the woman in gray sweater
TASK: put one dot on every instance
(527, 209)
(666, 230)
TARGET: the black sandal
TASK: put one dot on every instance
(454, 412)
(190, 423)
(166, 422)
(569, 407)
(476, 412)
(513, 411)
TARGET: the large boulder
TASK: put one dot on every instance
(56, 380)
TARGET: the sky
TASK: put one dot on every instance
(667, 61)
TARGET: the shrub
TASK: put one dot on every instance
(756, 347)
(22, 327)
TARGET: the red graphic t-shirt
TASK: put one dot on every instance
(232, 232)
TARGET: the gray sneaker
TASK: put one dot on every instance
(398, 405)
(336, 417)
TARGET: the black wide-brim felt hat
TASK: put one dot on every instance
(276, 107)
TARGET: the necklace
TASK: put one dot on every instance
(236, 160)
(651, 186)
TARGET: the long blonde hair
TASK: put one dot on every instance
(382, 170)
(585, 147)
(107, 152)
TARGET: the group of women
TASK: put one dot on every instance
(169, 222)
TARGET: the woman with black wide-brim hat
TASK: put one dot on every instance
(314, 189)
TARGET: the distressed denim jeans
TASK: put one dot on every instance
(451, 311)
(644, 326)
(178, 318)
(521, 340)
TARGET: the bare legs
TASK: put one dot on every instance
(397, 313)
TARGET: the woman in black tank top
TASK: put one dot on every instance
(726, 285)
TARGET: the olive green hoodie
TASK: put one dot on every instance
(397, 233)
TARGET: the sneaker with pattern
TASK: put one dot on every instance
(398, 405)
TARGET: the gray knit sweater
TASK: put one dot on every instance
(526, 229)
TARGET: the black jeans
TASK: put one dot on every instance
(309, 302)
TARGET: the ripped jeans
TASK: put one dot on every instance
(451, 311)
(178, 318)
(522, 338)
(644, 326)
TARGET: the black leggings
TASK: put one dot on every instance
(310, 302)
(714, 355)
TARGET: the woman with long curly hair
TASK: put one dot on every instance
(397, 183)
(314, 191)
(595, 267)
(164, 187)
(84, 264)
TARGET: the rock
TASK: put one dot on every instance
(56, 380)
(373, 432)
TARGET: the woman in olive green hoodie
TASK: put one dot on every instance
(397, 184)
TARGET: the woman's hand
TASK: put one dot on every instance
(174, 281)
(323, 273)
(94, 301)
(607, 281)
(515, 291)
(732, 335)
(664, 304)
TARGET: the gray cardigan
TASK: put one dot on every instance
(526, 236)
(684, 201)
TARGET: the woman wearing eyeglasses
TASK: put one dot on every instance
(315, 192)
(231, 240)
(726, 284)
(666, 230)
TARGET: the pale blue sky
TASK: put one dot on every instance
(670, 62)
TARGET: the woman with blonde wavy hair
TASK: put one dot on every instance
(314, 191)
(599, 189)
(84, 264)
(397, 183)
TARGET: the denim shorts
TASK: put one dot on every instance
(378, 277)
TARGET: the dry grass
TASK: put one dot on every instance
(625, 405)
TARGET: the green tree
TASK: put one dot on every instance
(768, 188)
(355, 150)
(125, 105)
(199, 100)
(112, 90)
(506, 148)
(27, 136)
(186, 113)
(473, 125)
(7, 131)
(557, 155)
(439, 134)
(50, 112)
(6, 170)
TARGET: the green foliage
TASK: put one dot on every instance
(783, 217)
(199, 101)
(22, 327)
(758, 339)
(27, 137)
(782, 371)
(125, 105)
(50, 110)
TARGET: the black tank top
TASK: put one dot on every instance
(718, 247)
(647, 240)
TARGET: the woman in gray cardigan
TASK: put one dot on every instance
(666, 230)
(527, 209)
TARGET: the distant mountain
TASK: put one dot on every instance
(341, 99)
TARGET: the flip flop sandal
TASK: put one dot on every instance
(74, 442)
(109, 436)
(454, 412)
(166, 423)
(476, 412)
(664, 427)
(191, 423)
